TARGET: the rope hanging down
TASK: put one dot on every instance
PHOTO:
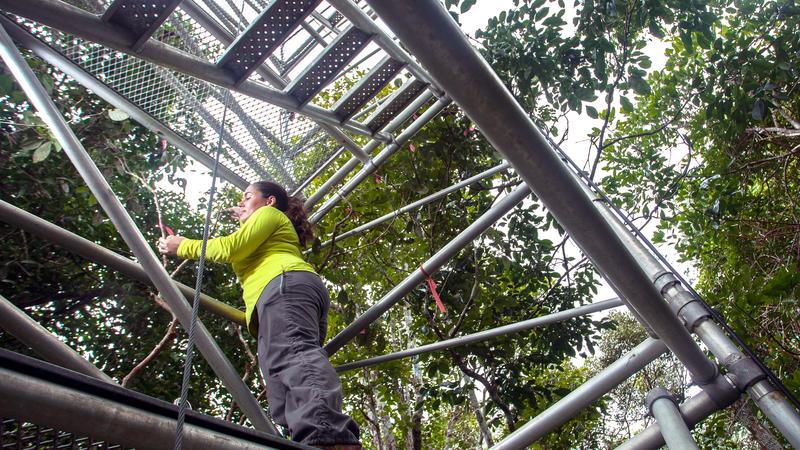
(187, 367)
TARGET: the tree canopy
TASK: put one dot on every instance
(703, 152)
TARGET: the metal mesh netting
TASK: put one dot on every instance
(20, 435)
(262, 142)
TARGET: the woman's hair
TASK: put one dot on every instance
(293, 207)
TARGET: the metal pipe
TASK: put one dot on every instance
(49, 347)
(775, 406)
(433, 264)
(423, 201)
(693, 412)
(662, 405)
(380, 158)
(318, 171)
(597, 386)
(324, 21)
(773, 403)
(351, 164)
(78, 22)
(485, 335)
(96, 253)
(129, 232)
(56, 59)
(443, 49)
(76, 411)
(332, 158)
(314, 34)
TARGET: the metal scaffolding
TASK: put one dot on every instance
(169, 65)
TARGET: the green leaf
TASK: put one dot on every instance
(467, 5)
(686, 38)
(32, 145)
(627, 106)
(541, 14)
(6, 84)
(639, 85)
(117, 115)
(759, 109)
(591, 111)
(41, 153)
(47, 83)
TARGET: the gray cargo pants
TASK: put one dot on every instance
(303, 389)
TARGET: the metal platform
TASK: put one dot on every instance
(46, 406)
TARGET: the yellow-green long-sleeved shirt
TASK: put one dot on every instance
(265, 246)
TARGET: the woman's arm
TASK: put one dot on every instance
(240, 244)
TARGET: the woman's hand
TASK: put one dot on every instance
(169, 245)
(236, 212)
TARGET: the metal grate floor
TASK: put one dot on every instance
(19, 435)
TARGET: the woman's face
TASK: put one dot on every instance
(251, 201)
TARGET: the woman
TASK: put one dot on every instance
(287, 308)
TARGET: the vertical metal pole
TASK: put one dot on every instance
(430, 266)
(600, 384)
(129, 232)
(693, 411)
(661, 404)
(429, 32)
(35, 336)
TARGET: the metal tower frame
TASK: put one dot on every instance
(218, 52)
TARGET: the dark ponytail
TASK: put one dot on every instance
(293, 207)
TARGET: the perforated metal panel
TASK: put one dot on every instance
(306, 47)
(410, 90)
(341, 51)
(367, 88)
(264, 35)
(141, 17)
(16, 434)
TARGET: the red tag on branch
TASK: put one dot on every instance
(432, 287)
(166, 229)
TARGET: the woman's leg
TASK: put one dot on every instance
(304, 392)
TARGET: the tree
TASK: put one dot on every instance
(480, 288)
(709, 149)
(113, 321)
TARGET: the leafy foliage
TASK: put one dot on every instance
(110, 319)
(707, 149)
